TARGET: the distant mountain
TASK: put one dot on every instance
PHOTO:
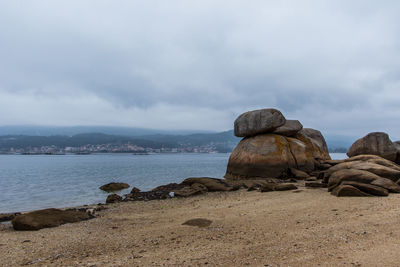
(34, 130)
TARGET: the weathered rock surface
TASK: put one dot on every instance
(376, 143)
(168, 187)
(146, 196)
(194, 189)
(285, 187)
(348, 191)
(258, 122)
(299, 174)
(290, 128)
(316, 143)
(212, 184)
(354, 175)
(113, 198)
(368, 188)
(4, 217)
(111, 187)
(387, 184)
(47, 218)
(374, 159)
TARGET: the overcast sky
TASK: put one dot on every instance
(334, 65)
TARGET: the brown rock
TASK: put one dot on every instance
(290, 128)
(313, 138)
(47, 218)
(199, 222)
(355, 175)
(387, 184)
(374, 159)
(194, 189)
(376, 143)
(267, 188)
(135, 190)
(110, 187)
(146, 196)
(300, 175)
(4, 217)
(113, 198)
(285, 187)
(348, 191)
(315, 185)
(258, 122)
(168, 187)
(367, 188)
(212, 184)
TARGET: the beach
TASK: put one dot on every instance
(306, 227)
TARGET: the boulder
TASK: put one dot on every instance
(47, 218)
(374, 159)
(315, 141)
(113, 198)
(371, 167)
(267, 188)
(5, 217)
(368, 188)
(194, 189)
(348, 191)
(110, 187)
(258, 122)
(168, 187)
(212, 184)
(299, 174)
(285, 187)
(290, 128)
(387, 184)
(135, 190)
(376, 143)
(354, 175)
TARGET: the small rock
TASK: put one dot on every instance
(113, 198)
(199, 222)
(110, 187)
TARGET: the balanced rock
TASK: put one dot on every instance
(258, 122)
(47, 218)
(290, 128)
(376, 143)
(110, 187)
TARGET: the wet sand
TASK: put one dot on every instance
(306, 228)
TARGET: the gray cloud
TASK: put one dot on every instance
(334, 65)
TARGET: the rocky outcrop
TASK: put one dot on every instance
(47, 218)
(5, 217)
(111, 187)
(273, 146)
(363, 175)
(258, 122)
(376, 143)
(113, 198)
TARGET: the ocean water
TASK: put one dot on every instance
(44, 181)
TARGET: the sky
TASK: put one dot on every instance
(197, 65)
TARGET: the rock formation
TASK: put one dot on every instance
(111, 187)
(272, 146)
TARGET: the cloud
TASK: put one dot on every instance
(179, 64)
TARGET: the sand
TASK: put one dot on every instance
(306, 228)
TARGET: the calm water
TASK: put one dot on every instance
(42, 181)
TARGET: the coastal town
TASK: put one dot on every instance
(109, 148)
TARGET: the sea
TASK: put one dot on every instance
(30, 182)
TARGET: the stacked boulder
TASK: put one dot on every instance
(273, 147)
(363, 175)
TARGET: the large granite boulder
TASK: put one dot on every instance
(258, 122)
(47, 218)
(272, 156)
(290, 128)
(376, 143)
(315, 142)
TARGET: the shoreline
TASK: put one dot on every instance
(304, 227)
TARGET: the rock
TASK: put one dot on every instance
(267, 188)
(354, 175)
(260, 156)
(135, 190)
(5, 217)
(376, 143)
(169, 187)
(146, 196)
(374, 159)
(285, 187)
(367, 188)
(212, 184)
(315, 185)
(258, 122)
(194, 189)
(374, 168)
(299, 174)
(311, 179)
(199, 222)
(387, 184)
(316, 141)
(47, 218)
(290, 128)
(332, 162)
(110, 187)
(348, 191)
(113, 198)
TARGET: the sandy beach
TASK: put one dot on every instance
(307, 227)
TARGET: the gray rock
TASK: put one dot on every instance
(290, 128)
(258, 122)
(376, 143)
